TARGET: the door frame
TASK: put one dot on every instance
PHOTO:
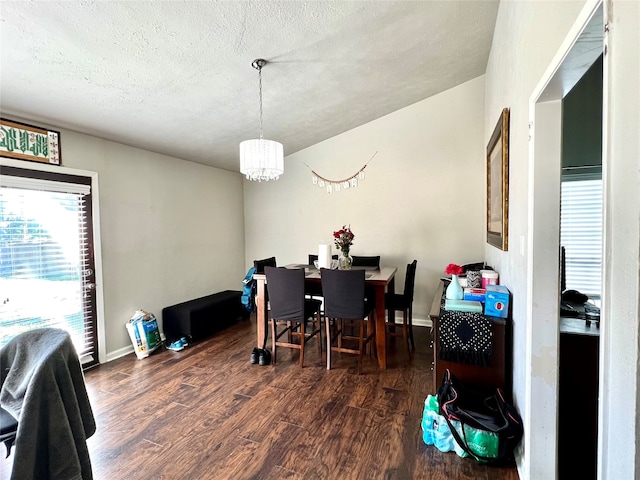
(584, 43)
(97, 247)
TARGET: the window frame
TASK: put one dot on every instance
(61, 174)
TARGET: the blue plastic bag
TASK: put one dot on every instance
(249, 290)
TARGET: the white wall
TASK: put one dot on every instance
(422, 197)
(172, 230)
(526, 37)
(528, 34)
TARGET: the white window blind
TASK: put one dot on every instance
(45, 259)
(581, 233)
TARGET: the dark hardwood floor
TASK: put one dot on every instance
(207, 413)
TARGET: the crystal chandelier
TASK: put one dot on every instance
(261, 159)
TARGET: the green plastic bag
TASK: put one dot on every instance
(482, 443)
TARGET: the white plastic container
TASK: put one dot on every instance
(489, 277)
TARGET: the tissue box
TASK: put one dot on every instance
(475, 294)
(497, 301)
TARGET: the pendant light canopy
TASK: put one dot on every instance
(261, 159)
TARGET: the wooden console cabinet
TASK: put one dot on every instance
(498, 374)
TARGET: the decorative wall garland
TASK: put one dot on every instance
(336, 185)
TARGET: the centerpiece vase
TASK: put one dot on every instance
(454, 290)
(345, 261)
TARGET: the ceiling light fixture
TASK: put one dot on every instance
(261, 159)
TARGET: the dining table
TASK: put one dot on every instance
(379, 281)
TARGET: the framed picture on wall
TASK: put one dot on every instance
(28, 142)
(498, 184)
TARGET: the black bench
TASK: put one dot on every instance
(204, 316)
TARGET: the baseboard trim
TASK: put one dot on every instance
(416, 321)
(121, 352)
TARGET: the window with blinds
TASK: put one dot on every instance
(581, 233)
(46, 257)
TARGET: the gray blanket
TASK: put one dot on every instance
(43, 388)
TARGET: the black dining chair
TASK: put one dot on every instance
(371, 262)
(366, 261)
(265, 262)
(8, 429)
(291, 310)
(344, 303)
(403, 302)
(260, 265)
(314, 290)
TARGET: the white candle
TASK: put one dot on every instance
(324, 256)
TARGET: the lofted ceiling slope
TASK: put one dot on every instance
(175, 77)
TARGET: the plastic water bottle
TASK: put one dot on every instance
(428, 418)
(435, 429)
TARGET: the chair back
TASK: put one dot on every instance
(265, 262)
(343, 292)
(366, 261)
(286, 292)
(410, 281)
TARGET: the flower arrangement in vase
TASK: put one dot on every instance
(343, 239)
(454, 290)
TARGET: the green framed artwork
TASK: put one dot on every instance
(28, 142)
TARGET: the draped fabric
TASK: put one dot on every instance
(465, 337)
(43, 388)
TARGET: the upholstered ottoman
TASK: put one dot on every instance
(199, 318)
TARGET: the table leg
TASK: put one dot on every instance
(381, 331)
(261, 313)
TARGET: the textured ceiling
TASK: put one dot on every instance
(176, 77)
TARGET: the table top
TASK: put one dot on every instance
(382, 275)
(578, 326)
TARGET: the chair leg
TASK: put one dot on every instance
(318, 326)
(405, 331)
(328, 335)
(273, 341)
(372, 318)
(411, 328)
(302, 341)
(361, 347)
(391, 321)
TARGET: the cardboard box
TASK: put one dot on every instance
(497, 301)
(475, 294)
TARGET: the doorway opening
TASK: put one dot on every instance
(580, 51)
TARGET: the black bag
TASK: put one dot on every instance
(490, 413)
